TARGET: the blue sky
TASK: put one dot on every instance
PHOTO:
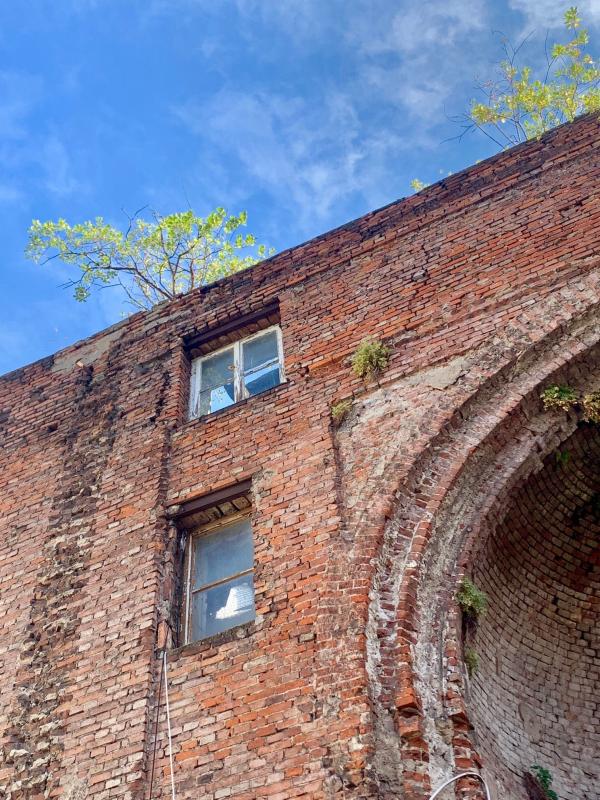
(306, 113)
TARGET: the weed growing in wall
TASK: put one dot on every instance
(472, 601)
(558, 398)
(543, 777)
(370, 358)
(339, 411)
(591, 407)
(562, 457)
(471, 661)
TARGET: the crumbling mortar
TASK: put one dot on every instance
(53, 623)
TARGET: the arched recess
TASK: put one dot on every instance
(446, 512)
(535, 697)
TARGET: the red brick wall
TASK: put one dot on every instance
(535, 696)
(483, 286)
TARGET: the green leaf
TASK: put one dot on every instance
(153, 259)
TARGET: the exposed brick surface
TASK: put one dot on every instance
(350, 682)
(535, 697)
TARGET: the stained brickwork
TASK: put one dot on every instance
(535, 696)
(350, 682)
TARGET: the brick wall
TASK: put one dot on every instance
(350, 681)
(535, 696)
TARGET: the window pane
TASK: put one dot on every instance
(217, 382)
(261, 363)
(260, 351)
(225, 552)
(222, 607)
(262, 379)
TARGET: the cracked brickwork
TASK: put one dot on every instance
(350, 683)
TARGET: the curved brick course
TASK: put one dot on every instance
(536, 696)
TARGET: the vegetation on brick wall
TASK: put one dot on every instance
(543, 778)
(558, 398)
(562, 457)
(471, 659)
(521, 103)
(370, 358)
(472, 601)
(591, 407)
(518, 106)
(564, 398)
(339, 411)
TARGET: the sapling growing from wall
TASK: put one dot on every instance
(519, 103)
(155, 258)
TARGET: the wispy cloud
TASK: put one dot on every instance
(10, 193)
(308, 157)
(29, 153)
(18, 95)
(57, 167)
(315, 149)
(549, 14)
(411, 29)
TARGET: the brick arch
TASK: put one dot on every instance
(495, 440)
(535, 698)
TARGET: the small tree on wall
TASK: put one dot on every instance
(519, 103)
(152, 260)
(517, 106)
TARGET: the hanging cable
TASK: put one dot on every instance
(166, 671)
(457, 778)
(162, 670)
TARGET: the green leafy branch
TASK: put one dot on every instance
(152, 260)
(518, 106)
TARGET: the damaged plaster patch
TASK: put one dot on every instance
(88, 352)
(439, 377)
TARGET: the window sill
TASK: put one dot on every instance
(205, 418)
(239, 632)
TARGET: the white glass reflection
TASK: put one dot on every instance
(217, 389)
(222, 607)
(225, 552)
(261, 363)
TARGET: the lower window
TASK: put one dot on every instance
(220, 578)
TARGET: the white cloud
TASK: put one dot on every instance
(415, 29)
(308, 156)
(18, 95)
(24, 144)
(545, 14)
(56, 163)
(316, 149)
(10, 193)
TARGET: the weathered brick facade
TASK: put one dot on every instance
(350, 683)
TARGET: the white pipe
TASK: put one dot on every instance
(457, 778)
(169, 724)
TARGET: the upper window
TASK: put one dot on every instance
(239, 370)
(220, 578)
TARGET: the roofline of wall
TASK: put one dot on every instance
(468, 181)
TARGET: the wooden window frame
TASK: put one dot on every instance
(240, 391)
(189, 569)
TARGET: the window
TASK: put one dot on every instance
(239, 370)
(220, 578)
